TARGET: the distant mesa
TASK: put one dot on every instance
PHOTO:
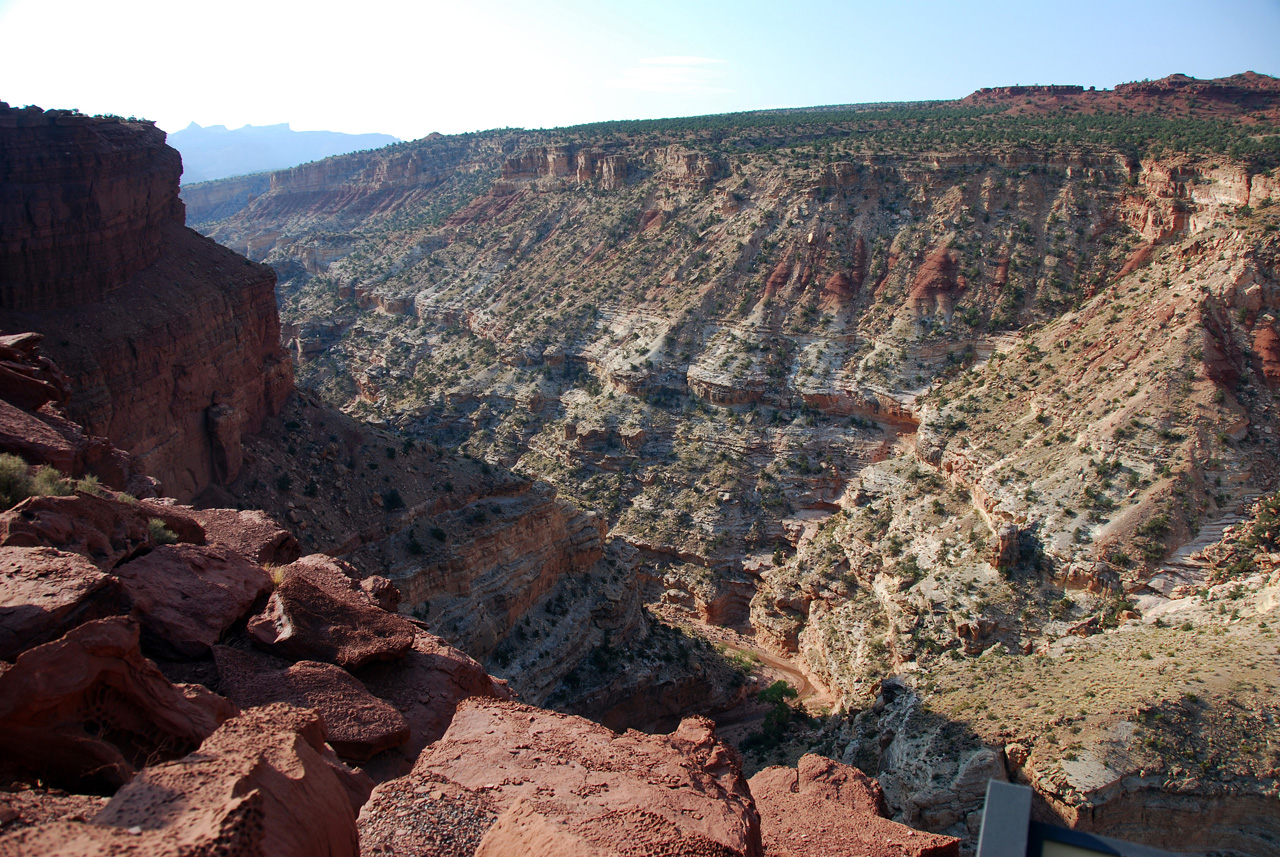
(1239, 88)
(214, 152)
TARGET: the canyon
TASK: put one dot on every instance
(890, 390)
(181, 679)
(957, 417)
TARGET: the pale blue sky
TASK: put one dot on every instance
(412, 68)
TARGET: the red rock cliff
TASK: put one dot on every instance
(82, 203)
(172, 342)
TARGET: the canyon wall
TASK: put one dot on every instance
(82, 204)
(208, 201)
(171, 341)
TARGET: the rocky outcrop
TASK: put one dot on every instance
(822, 808)
(83, 203)
(263, 785)
(88, 710)
(44, 593)
(172, 342)
(996, 93)
(186, 596)
(34, 425)
(425, 686)
(358, 725)
(317, 612)
(565, 785)
(685, 168)
(104, 530)
(1266, 344)
(938, 284)
(540, 162)
(252, 534)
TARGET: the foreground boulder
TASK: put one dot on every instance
(45, 592)
(359, 725)
(263, 785)
(565, 785)
(104, 530)
(34, 426)
(87, 710)
(187, 595)
(425, 814)
(252, 533)
(319, 613)
(823, 808)
(426, 686)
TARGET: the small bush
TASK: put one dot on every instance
(778, 692)
(89, 485)
(391, 500)
(48, 482)
(437, 534)
(160, 533)
(15, 481)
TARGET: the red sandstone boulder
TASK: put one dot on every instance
(382, 592)
(187, 595)
(858, 263)
(319, 613)
(44, 593)
(424, 814)
(426, 686)
(822, 808)
(253, 534)
(33, 439)
(1005, 549)
(565, 785)
(177, 518)
(32, 425)
(778, 278)
(358, 724)
(88, 709)
(263, 785)
(103, 530)
(27, 379)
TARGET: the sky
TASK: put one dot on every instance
(410, 68)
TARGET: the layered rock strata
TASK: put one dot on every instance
(172, 342)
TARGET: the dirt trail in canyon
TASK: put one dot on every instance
(736, 723)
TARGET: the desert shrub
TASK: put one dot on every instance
(49, 482)
(160, 533)
(778, 692)
(15, 481)
(391, 500)
(89, 485)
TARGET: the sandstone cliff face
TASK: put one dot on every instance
(209, 201)
(83, 203)
(172, 342)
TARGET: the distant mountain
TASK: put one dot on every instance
(216, 152)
